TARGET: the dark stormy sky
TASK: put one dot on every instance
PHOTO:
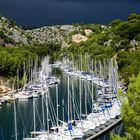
(50, 12)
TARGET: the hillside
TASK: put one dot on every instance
(12, 35)
(51, 34)
(119, 38)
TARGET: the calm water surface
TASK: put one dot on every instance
(50, 12)
(25, 111)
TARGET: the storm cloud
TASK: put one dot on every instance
(50, 12)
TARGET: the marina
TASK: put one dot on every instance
(69, 70)
(85, 107)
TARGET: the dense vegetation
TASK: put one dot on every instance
(5, 38)
(119, 38)
(131, 111)
(12, 58)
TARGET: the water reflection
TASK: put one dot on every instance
(24, 111)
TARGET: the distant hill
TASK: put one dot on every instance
(12, 35)
(119, 38)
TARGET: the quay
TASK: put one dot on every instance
(98, 134)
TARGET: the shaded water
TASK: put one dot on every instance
(50, 12)
(25, 111)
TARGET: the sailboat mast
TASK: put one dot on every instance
(80, 97)
(92, 94)
(34, 115)
(73, 97)
(85, 98)
(47, 111)
(24, 75)
(15, 120)
(100, 68)
(43, 117)
(17, 80)
(70, 105)
(57, 104)
(31, 71)
(95, 65)
(63, 109)
(81, 61)
(68, 100)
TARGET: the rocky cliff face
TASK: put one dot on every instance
(12, 35)
(51, 34)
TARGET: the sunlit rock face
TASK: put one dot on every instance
(77, 38)
(88, 32)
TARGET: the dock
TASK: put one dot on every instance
(98, 134)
